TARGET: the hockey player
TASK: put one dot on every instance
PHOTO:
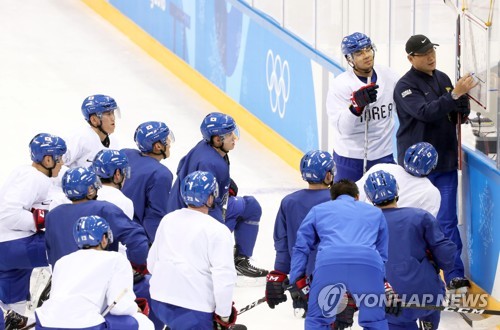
(193, 274)
(112, 168)
(352, 241)
(150, 184)
(428, 110)
(79, 295)
(354, 106)
(24, 202)
(220, 134)
(415, 190)
(316, 167)
(99, 112)
(416, 255)
(81, 185)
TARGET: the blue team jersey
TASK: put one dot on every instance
(148, 187)
(202, 157)
(425, 108)
(346, 231)
(293, 209)
(412, 231)
(60, 221)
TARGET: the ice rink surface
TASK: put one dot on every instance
(54, 53)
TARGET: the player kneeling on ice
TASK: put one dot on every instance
(191, 262)
(417, 252)
(85, 282)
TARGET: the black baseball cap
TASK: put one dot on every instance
(418, 44)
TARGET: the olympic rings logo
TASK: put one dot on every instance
(278, 82)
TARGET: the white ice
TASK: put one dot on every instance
(54, 53)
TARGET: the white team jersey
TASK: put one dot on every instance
(115, 196)
(84, 283)
(349, 130)
(25, 188)
(413, 191)
(83, 146)
(192, 263)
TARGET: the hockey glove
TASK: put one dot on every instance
(138, 277)
(39, 218)
(393, 303)
(141, 269)
(233, 188)
(223, 323)
(300, 292)
(344, 319)
(143, 305)
(364, 96)
(275, 288)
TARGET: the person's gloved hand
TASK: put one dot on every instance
(275, 288)
(300, 292)
(393, 303)
(345, 318)
(362, 97)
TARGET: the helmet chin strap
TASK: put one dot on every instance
(106, 141)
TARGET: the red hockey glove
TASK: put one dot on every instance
(393, 303)
(223, 323)
(275, 288)
(300, 292)
(344, 319)
(143, 305)
(39, 218)
(141, 269)
(233, 188)
(362, 97)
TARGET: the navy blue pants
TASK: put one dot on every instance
(180, 318)
(352, 168)
(113, 322)
(243, 217)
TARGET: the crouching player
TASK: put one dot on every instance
(85, 282)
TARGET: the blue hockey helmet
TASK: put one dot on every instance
(88, 231)
(77, 181)
(380, 187)
(97, 104)
(150, 132)
(197, 187)
(420, 159)
(355, 42)
(315, 164)
(44, 144)
(218, 124)
(107, 161)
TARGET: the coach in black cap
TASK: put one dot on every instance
(428, 109)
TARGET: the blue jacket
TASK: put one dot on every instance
(424, 107)
(293, 209)
(148, 187)
(412, 231)
(202, 157)
(347, 231)
(60, 221)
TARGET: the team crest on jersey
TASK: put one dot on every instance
(406, 93)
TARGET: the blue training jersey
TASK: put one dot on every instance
(412, 231)
(202, 157)
(293, 209)
(60, 221)
(148, 187)
(346, 231)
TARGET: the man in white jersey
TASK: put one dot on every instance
(112, 168)
(363, 92)
(86, 281)
(415, 190)
(193, 274)
(99, 112)
(24, 200)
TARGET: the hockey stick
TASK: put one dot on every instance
(367, 118)
(455, 309)
(252, 305)
(103, 314)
